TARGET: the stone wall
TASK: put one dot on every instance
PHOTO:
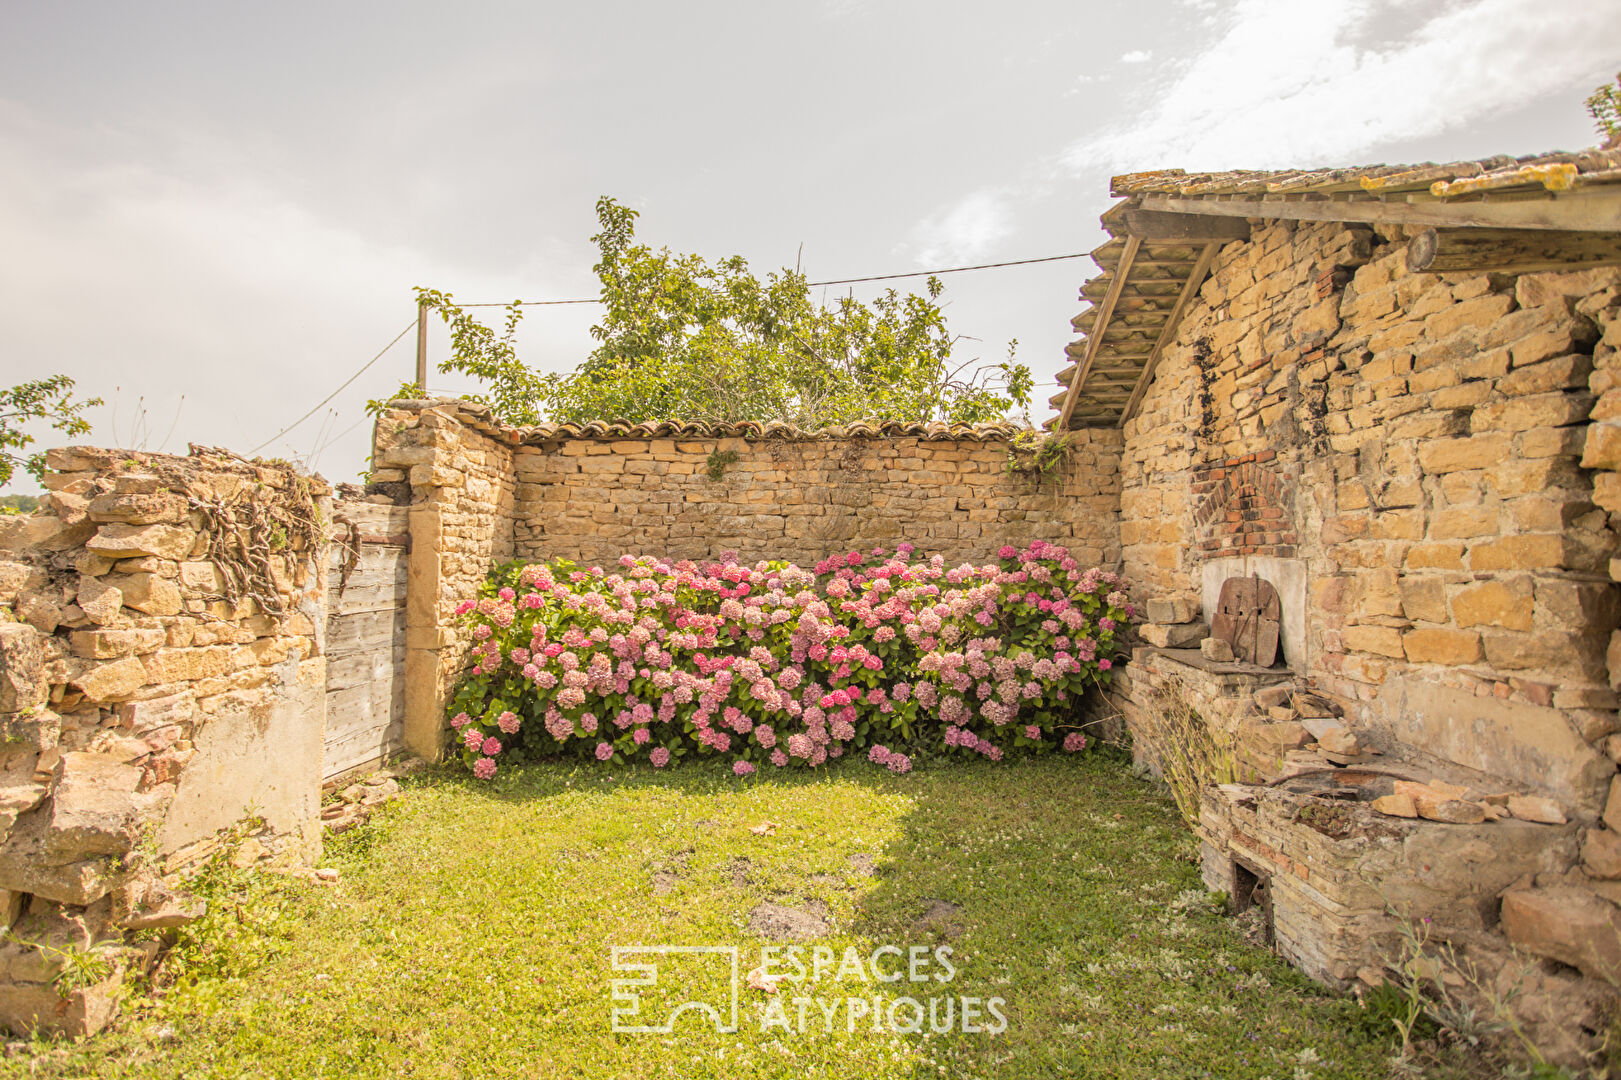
(156, 686)
(803, 499)
(1413, 443)
(458, 482)
(480, 494)
(1411, 455)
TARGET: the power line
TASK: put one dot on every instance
(836, 281)
(408, 328)
(951, 270)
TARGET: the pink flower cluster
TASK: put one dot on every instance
(771, 663)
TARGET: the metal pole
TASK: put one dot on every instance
(422, 346)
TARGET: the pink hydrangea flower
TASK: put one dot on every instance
(491, 747)
(660, 757)
(742, 768)
(484, 768)
(507, 722)
(1074, 741)
(473, 738)
(605, 750)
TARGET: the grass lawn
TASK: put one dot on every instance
(470, 936)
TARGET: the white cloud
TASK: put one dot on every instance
(1136, 56)
(964, 230)
(142, 283)
(1287, 84)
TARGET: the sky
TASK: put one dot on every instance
(211, 214)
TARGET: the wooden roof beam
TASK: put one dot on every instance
(1510, 251)
(1206, 257)
(1594, 210)
(1100, 327)
(1159, 226)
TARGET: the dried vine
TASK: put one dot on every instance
(245, 534)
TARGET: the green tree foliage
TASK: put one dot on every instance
(684, 338)
(50, 400)
(1604, 106)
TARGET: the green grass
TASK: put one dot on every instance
(470, 935)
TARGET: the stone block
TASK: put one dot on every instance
(99, 600)
(1471, 452)
(1506, 603)
(1441, 645)
(1538, 808)
(1570, 925)
(1380, 640)
(133, 541)
(22, 674)
(138, 509)
(1531, 551)
(1601, 853)
(1174, 636)
(149, 593)
(1175, 609)
(111, 681)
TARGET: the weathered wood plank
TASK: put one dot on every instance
(1595, 211)
(1510, 251)
(1154, 226)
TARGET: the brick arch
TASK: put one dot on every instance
(1245, 507)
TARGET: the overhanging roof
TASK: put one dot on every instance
(1153, 266)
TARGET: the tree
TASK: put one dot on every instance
(43, 399)
(1604, 106)
(682, 338)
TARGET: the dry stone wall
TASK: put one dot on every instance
(1414, 443)
(1419, 459)
(804, 499)
(480, 494)
(161, 678)
(458, 483)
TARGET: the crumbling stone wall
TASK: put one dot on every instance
(458, 482)
(1422, 436)
(1415, 450)
(161, 677)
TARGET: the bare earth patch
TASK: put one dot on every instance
(782, 923)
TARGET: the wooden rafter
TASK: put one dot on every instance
(1598, 210)
(1100, 326)
(1195, 279)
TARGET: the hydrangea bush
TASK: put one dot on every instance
(774, 665)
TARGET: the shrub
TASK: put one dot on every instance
(781, 665)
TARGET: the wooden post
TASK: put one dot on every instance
(422, 347)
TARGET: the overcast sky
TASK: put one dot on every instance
(232, 202)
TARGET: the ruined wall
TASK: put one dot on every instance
(161, 676)
(804, 499)
(1410, 444)
(1405, 454)
(458, 482)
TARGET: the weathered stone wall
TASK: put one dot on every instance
(803, 499)
(1413, 441)
(1406, 451)
(155, 687)
(458, 481)
(480, 494)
